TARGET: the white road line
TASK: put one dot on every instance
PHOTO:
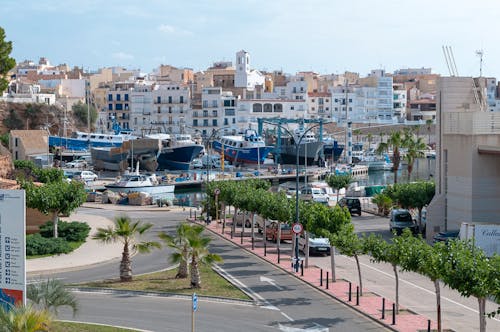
(287, 317)
(418, 287)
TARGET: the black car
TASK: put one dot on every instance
(445, 236)
(352, 203)
(401, 219)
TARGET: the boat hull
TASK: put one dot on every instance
(332, 149)
(153, 190)
(252, 155)
(312, 152)
(75, 144)
(178, 158)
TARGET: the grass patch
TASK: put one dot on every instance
(82, 327)
(212, 284)
(73, 245)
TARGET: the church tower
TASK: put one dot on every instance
(242, 69)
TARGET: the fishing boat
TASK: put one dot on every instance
(332, 149)
(310, 149)
(248, 148)
(177, 151)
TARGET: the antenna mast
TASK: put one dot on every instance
(480, 54)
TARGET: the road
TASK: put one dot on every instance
(285, 303)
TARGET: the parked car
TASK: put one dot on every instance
(352, 203)
(401, 219)
(77, 163)
(445, 236)
(317, 245)
(85, 176)
(313, 194)
(272, 232)
(246, 217)
(197, 163)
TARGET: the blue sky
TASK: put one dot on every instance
(326, 36)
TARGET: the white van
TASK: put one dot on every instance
(314, 194)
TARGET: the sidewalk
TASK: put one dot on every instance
(370, 304)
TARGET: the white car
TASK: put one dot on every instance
(314, 194)
(77, 163)
(317, 245)
(85, 176)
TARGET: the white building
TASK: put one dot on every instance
(249, 110)
(245, 77)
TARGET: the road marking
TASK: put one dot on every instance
(245, 288)
(315, 328)
(270, 281)
(419, 287)
(287, 317)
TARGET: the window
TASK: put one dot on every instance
(227, 103)
(181, 99)
(170, 110)
(110, 97)
(268, 108)
(118, 97)
(126, 97)
(234, 120)
(170, 99)
(205, 103)
(205, 113)
(257, 108)
(214, 103)
(110, 107)
(226, 122)
(205, 123)
(214, 122)
(195, 123)
(214, 113)
(312, 100)
(158, 100)
(126, 107)
(195, 114)
(159, 110)
(119, 107)
(229, 112)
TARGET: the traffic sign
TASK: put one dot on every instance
(195, 302)
(216, 191)
(297, 228)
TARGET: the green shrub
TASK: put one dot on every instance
(70, 231)
(38, 245)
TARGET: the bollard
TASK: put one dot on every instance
(265, 247)
(383, 308)
(223, 226)
(350, 291)
(278, 255)
(357, 295)
(195, 216)
(241, 237)
(190, 213)
(327, 277)
(428, 325)
(253, 242)
(394, 314)
(321, 277)
(301, 268)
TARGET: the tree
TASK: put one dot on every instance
(55, 198)
(126, 231)
(394, 142)
(339, 181)
(349, 244)
(415, 149)
(369, 136)
(6, 62)
(50, 295)
(467, 270)
(80, 111)
(180, 244)
(24, 319)
(200, 254)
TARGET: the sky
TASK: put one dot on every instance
(325, 36)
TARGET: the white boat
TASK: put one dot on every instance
(376, 163)
(140, 183)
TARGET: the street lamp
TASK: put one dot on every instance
(297, 147)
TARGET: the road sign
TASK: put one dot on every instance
(195, 302)
(216, 191)
(297, 228)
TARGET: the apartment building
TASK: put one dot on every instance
(319, 105)
(467, 157)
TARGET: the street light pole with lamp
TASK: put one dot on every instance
(297, 141)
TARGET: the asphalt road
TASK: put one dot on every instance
(285, 303)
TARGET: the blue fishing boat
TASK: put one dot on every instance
(248, 148)
(177, 151)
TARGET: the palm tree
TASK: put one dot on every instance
(180, 244)
(126, 231)
(24, 319)
(394, 142)
(339, 181)
(198, 247)
(415, 149)
(369, 136)
(51, 294)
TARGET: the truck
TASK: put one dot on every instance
(484, 236)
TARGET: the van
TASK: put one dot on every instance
(314, 194)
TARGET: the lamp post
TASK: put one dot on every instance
(297, 149)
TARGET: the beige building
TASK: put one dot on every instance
(24, 144)
(467, 157)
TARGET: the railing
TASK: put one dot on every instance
(471, 123)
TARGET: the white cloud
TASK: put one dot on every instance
(171, 30)
(122, 56)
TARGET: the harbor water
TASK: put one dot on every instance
(423, 169)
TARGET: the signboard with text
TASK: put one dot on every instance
(12, 247)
